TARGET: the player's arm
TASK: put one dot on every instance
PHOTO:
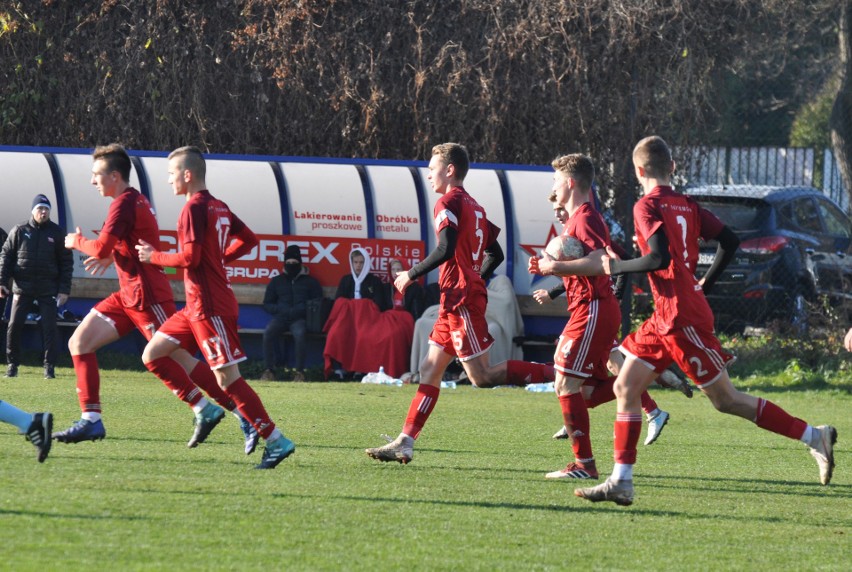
(725, 251)
(243, 241)
(657, 258)
(444, 250)
(492, 259)
(100, 247)
(589, 265)
(188, 257)
(556, 291)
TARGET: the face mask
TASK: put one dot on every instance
(292, 269)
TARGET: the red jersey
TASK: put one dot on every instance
(459, 278)
(209, 224)
(588, 226)
(130, 217)
(678, 298)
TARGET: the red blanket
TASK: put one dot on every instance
(362, 338)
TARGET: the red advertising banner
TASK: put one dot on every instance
(327, 258)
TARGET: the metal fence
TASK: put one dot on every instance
(794, 264)
(765, 166)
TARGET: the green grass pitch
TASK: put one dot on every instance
(714, 493)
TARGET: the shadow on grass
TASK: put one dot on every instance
(802, 387)
(767, 486)
(580, 506)
(76, 516)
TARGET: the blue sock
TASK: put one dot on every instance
(14, 416)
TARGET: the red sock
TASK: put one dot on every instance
(250, 406)
(576, 418)
(602, 393)
(527, 372)
(203, 377)
(420, 409)
(172, 374)
(648, 403)
(773, 418)
(88, 382)
(628, 427)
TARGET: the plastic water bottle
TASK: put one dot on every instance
(448, 385)
(381, 378)
(541, 387)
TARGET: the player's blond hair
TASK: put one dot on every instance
(456, 155)
(654, 155)
(190, 159)
(577, 166)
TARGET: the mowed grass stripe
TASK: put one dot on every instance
(714, 491)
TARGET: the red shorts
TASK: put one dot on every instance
(217, 337)
(462, 332)
(124, 320)
(697, 352)
(587, 339)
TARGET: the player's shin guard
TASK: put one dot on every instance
(576, 417)
(88, 382)
(525, 372)
(251, 407)
(772, 418)
(172, 374)
(627, 429)
(420, 409)
(203, 377)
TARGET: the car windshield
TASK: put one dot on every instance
(741, 215)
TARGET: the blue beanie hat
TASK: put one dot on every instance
(41, 201)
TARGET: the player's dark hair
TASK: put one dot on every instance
(456, 155)
(116, 159)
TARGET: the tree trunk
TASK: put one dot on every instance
(840, 121)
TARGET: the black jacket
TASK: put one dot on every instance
(372, 287)
(35, 259)
(414, 300)
(288, 297)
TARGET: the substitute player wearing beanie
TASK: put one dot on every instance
(36, 268)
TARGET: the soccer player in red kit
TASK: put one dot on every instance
(595, 316)
(209, 236)
(668, 226)
(144, 301)
(467, 249)
(599, 391)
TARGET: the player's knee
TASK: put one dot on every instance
(724, 403)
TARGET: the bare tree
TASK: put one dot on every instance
(841, 111)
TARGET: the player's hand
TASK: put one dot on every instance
(71, 238)
(4, 291)
(544, 264)
(402, 281)
(145, 251)
(606, 256)
(61, 299)
(541, 296)
(848, 341)
(97, 266)
(532, 266)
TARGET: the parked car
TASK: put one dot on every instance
(796, 245)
